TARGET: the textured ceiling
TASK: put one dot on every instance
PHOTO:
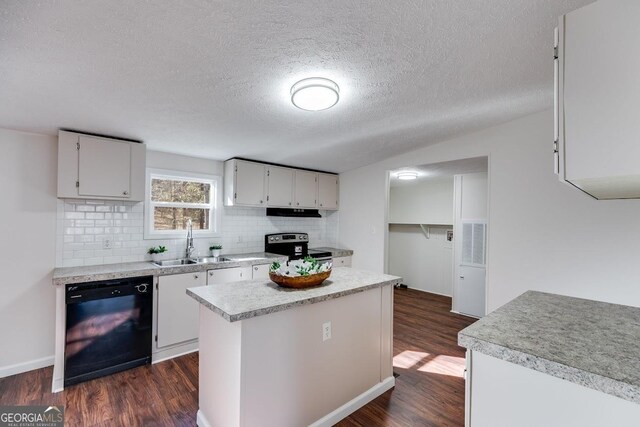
(212, 79)
(440, 170)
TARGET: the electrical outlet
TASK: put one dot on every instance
(106, 244)
(326, 331)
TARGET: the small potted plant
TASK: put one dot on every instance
(156, 252)
(215, 250)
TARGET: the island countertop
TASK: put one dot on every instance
(244, 300)
(591, 343)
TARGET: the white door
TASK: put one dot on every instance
(327, 191)
(104, 167)
(470, 243)
(260, 272)
(228, 275)
(177, 312)
(280, 186)
(250, 183)
(470, 287)
(306, 189)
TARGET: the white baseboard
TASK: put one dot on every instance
(465, 314)
(170, 353)
(201, 420)
(19, 368)
(340, 413)
(351, 406)
(428, 292)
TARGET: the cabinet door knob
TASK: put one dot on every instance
(289, 203)
(260, 201)
(125, 193)
(298, 203)
(320, 204)
(195, 276)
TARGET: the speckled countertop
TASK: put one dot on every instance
(591, 343)
(335, 252)
(91, 273)
(244, 300)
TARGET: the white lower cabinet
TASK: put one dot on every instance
(342, 261)
(177, 312)
(260, 272)
(228, 275)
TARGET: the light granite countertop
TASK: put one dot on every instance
(591, 343)
(244, 300)
(335, 252)
(92, 273)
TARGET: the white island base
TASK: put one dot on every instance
(276, 370)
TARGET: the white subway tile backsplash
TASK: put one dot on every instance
(83, 226)
(74, 215)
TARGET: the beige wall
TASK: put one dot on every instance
(27, 252)
(543, 234)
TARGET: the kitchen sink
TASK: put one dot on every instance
(239, 258)
(174, 262)
(211, 259)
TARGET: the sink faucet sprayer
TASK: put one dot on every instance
(190, 247)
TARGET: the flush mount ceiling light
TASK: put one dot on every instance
(315, 94)
(407, 175)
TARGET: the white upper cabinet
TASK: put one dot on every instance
(91, 167)
(598, 99)
(279, 187)
(306, 189)
(327, 191)
(244, 183)
(248, 183)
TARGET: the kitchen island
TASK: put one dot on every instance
(282, 357)
(552, 360)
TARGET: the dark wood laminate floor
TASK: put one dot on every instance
(428, 392)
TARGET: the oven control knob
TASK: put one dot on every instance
(277, 238)
(142, 288)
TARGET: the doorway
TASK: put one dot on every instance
(437, 230)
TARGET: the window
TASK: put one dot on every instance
(175, 197)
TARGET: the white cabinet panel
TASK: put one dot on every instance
(599, 97)
(342, 261)
(260, 272)
(228, 275)
(327, 191)
(177, 312)
(104, 168)
(279, 186)
(100, 168)
(306, 189)
(249, 189)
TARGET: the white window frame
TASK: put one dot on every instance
(215, 202)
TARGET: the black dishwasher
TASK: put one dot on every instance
(108, 327)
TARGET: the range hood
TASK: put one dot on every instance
(296, 213)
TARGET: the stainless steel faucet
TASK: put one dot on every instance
(190, 247)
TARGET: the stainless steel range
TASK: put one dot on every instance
(293, 245)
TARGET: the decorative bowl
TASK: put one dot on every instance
(300, 282)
